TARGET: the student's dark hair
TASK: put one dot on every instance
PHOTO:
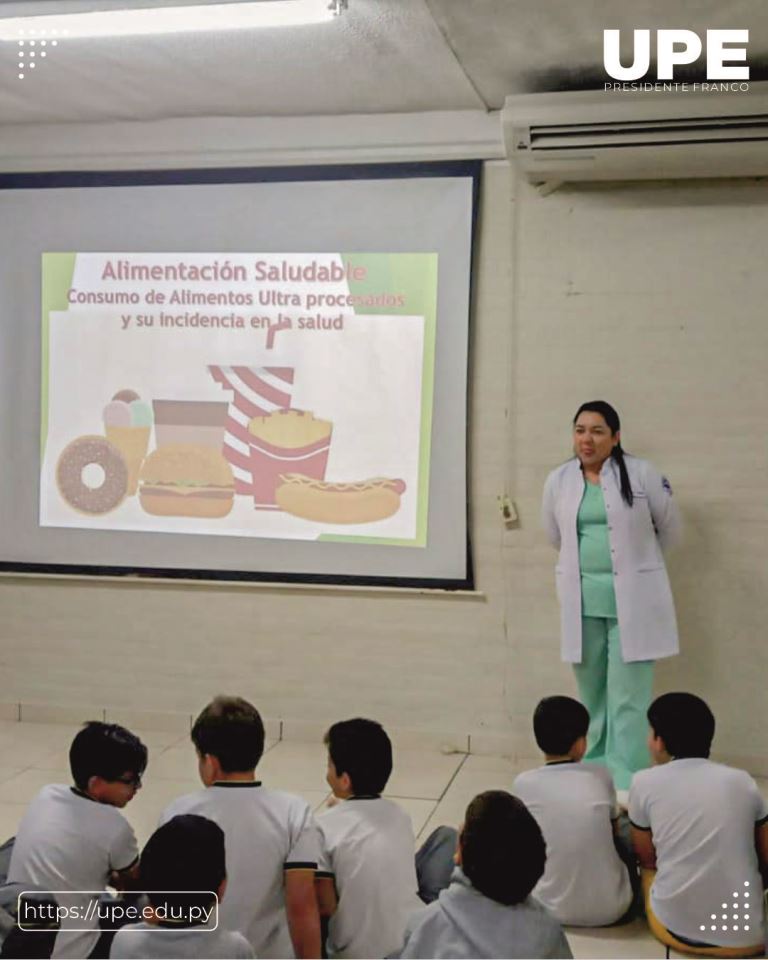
(503, 852)
(231, 730)
(362, 749)
(684, 722)
(611, 418)
(105, 750)
(558, 722)
(185, 854)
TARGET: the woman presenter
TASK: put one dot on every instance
(610, 515)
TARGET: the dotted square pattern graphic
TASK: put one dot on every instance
(33, 47)
(738, 920)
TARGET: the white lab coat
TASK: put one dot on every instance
(637, 535)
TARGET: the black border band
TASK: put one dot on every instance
(54, 180)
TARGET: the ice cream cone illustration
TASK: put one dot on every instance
(127, 425)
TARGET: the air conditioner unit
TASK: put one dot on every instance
(612, 135)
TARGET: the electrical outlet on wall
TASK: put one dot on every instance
(508, 511)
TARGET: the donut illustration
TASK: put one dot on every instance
(81, 453)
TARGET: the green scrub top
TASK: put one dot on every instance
(598, 598)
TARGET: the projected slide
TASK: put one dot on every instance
(261, 395)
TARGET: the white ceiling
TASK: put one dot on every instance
(381, 56)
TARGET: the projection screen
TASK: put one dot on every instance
(243, 375)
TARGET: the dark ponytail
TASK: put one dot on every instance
(626, 487)
(611, 418)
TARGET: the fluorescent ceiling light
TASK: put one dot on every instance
(143, 21)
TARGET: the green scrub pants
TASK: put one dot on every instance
(617, 696)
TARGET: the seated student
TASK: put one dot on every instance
(73, 838)
(182, 858)
(487, 911)
(29, 922)
(368, 846)
(704, 828)
(272, 841)
(585, 882)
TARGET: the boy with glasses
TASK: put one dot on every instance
(73, 838)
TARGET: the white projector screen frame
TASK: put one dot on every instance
(375, 209)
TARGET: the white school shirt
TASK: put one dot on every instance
(584, 883)
(702, 818)
(368, 847)
(265, 833)
(143, 940)
(66, 841)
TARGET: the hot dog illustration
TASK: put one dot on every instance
(362, 501)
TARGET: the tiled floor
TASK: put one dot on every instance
(433, 787)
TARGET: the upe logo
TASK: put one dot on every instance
(677, 48)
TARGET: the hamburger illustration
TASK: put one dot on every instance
(183, 480)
